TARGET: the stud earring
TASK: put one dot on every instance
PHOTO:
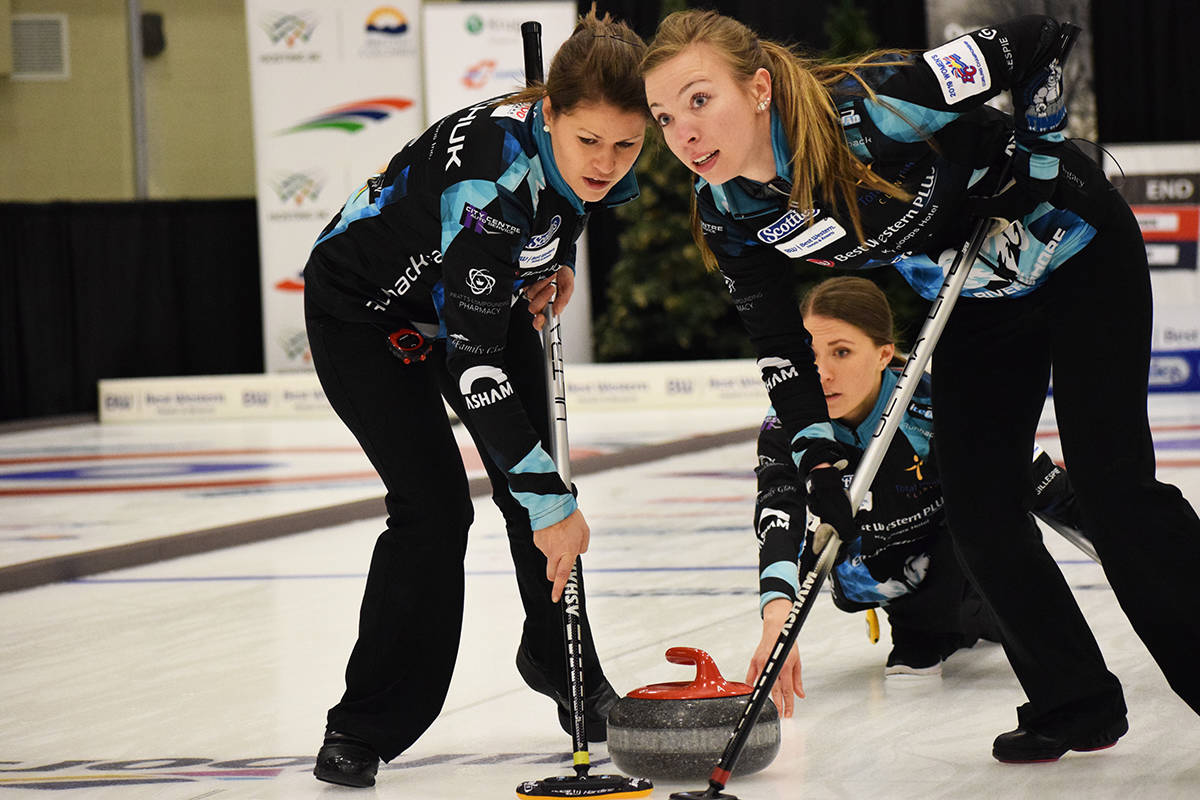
(546, 128)
(762, 104)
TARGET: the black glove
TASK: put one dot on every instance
(1039, 112)
(828, 499)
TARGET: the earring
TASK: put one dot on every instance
(762, 104)
(546, 128)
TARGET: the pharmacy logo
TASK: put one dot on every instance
(290, 29)
(296, 187)
(387, 21)
(352, 117)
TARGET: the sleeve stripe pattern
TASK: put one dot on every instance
(359, 207)
(904, 121)
(778, 580)
(455, 198)
(536, 485)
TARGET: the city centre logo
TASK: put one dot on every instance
(352, 117)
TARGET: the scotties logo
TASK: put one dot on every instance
(786, 225)
(476, 219)
(352, 117)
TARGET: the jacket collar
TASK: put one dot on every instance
(742, 197)
(866, 429)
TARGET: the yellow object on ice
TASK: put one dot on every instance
(872, 626)
(619, 795)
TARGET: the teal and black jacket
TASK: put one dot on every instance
(467, 214)
(926, 128)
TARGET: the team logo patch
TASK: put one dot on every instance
(812, 239)
(960, 68)
(480, 281)
(776, 370)
(539, 257)
(476, 219)
(772, 518)
(494, 388)
(542, 239)
(785, 226)
(517, 111)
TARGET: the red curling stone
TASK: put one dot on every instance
(678, 730)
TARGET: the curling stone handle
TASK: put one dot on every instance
(707, 674)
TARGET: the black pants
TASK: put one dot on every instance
(1091, 325)
(411, 617)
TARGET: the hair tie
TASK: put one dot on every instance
(612, 36)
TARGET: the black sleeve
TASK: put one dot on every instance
(968, 71)
(486, 227)
(763, 290)
(779, 514)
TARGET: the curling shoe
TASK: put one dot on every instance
(917, 654)
(347, 760)
(597, 702)
(1022, 746)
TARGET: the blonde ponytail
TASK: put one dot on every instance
(802, 98)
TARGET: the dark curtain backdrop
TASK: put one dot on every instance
(123, 290)
(112, 290)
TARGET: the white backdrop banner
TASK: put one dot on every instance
(1161, 182)
(473, 51)
(336, 90)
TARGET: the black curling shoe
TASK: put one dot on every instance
(1023, 746)
(597, 702)
(347, 760)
